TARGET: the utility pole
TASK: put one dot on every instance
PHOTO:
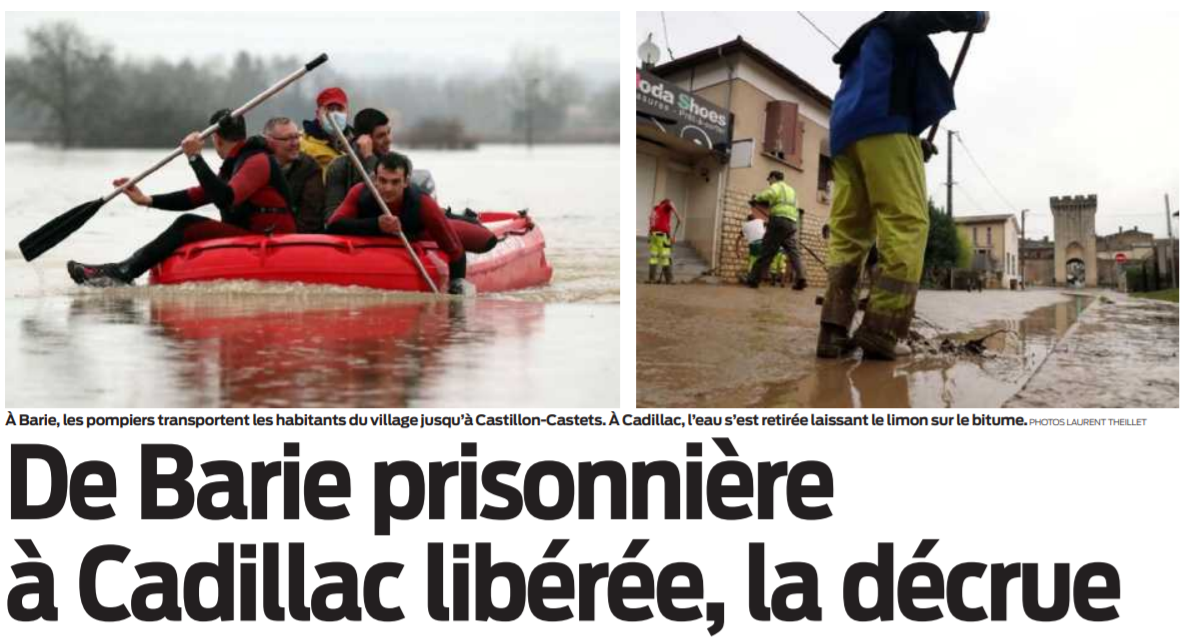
(1021, 247)
(1168, 218)
(950, 173)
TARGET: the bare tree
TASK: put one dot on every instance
(64, 73)
(539, 91)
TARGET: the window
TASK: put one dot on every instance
(989, 242)
(975, 236)
(825, 178)
(783, 132)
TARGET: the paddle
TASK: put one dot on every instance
(375, 192)
(53, 232)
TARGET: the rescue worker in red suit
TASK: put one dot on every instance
(249, 191)
(412, 211)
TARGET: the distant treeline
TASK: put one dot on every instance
(72, 91)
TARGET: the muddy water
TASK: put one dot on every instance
(247, 345)
(720, 346)
(933, 377)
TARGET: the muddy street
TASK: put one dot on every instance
(1122, 353)
(727, 346)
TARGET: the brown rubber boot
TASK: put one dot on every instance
(876, 345)
(833, 341)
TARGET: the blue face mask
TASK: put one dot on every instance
(338, 116)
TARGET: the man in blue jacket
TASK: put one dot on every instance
(893, 88)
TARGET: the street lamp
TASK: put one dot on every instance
(649, 53)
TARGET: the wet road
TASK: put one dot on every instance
(1124, 352)
(723, 346)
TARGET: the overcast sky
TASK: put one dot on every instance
(358, 42)
(1050, 104)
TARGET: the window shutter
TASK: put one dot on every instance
(783, 135)
(799, 129)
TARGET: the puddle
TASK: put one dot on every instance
(721, 346)
(933, 377)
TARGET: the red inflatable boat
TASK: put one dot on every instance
(516, 262)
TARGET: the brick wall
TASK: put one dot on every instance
(734, 259)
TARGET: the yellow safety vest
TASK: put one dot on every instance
(781, 199)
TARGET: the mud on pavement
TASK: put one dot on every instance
(724, 346)
(1124, 352)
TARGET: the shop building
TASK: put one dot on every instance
(710, 127)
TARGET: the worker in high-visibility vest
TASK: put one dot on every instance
(893, 88)
(660, 241)
(781, 232)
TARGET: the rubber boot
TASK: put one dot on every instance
(799, 285)
(141, 261)
(653, 274)
(667, 275)
(833, 341)
(876, 345)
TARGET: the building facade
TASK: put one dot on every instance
(1037, 261)
(995, 246)
(778, 122)
(1076, 256)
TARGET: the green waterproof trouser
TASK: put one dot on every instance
(660, 249)
(880, 198)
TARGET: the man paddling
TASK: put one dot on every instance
(249, 191)
(412, 211)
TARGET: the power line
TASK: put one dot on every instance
(821, 32)
(665, 36)
(968, 196)
(971, 156)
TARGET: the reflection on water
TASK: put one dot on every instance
(932, 378)
(161, 347)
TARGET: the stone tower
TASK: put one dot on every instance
(1074, 256)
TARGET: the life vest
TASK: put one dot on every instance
(241, 213)
(408, 214)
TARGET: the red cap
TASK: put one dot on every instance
(332, 95)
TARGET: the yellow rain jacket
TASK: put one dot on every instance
(320, 150)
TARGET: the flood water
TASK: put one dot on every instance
(938, 377)
(248, 344)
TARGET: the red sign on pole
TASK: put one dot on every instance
(1120, 258)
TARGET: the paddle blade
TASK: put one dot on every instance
(51, 233)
